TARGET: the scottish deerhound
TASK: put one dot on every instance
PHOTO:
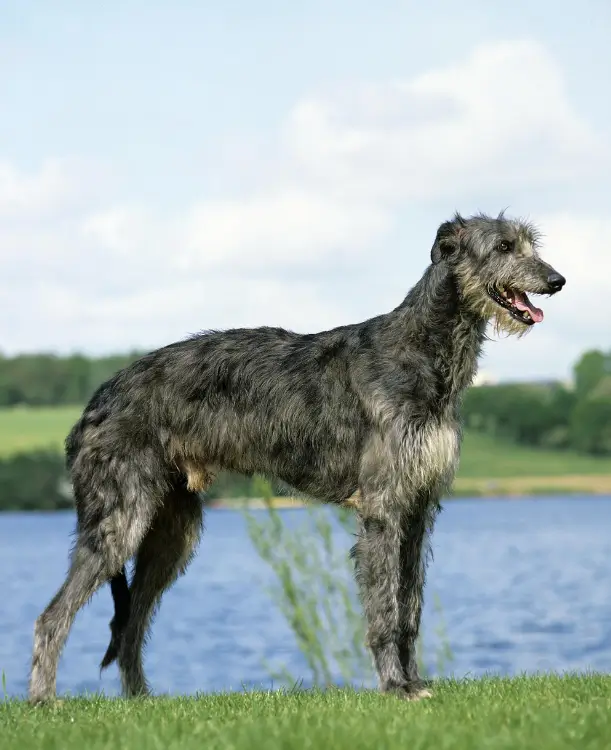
(368, 410)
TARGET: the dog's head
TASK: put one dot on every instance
(497, 264)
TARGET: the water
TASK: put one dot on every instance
(524, 586)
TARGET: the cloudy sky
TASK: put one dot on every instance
(171, 167)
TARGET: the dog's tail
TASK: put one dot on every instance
(119, 589)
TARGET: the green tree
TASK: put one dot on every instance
(591, 425)
(523, 413)
(591, 368)
(49, 380)
(34, 481)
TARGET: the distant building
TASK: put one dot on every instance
(485, 378)
(488, 378)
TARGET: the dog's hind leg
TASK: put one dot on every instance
(119, 589)
(164, 554)
(87, 573)
(109, 531)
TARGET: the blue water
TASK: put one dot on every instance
(524, 586)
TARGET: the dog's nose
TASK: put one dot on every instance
(556, 281)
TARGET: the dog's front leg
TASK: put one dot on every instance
(416, 527)
(379, 565)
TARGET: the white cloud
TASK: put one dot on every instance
(66, 317)
(82, 271)
(117, 230)
(60, 186)
(23, 195)
(289, 225)
(580, 248)
(502, 115)
(351, 159)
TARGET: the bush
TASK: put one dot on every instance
(34, 481)
(525, 414)
(591, 426)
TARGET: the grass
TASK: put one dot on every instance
(483, 456)
(548, 712)
(25, 429)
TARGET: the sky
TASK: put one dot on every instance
(167, 168)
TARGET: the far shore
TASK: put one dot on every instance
(498, 488)
(504, 487)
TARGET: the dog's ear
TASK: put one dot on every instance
(447, 240)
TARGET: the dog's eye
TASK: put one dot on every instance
(504, 246)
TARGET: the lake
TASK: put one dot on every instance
(524, 586)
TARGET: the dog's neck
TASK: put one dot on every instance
(434, 318)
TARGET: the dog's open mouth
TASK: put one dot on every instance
(517, 304)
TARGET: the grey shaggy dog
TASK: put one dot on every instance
(367, 411)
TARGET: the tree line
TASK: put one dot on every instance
(549, 415)
(546, 415)
(50, 380)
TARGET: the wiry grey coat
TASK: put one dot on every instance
(370, 408)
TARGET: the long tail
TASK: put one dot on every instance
(119, 589)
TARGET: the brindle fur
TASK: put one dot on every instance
(365, 414)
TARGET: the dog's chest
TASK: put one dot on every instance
(433, 453)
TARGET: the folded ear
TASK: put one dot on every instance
(447, 240)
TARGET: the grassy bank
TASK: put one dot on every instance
(527, 486)
(484, 456)
(543, 712)
(27, 429)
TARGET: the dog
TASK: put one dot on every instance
(371, 408)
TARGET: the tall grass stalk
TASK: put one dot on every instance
(315, 591)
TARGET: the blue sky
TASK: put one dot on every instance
(170, 167)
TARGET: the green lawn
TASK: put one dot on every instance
(25, 429)
(483, 456)
(542, 713)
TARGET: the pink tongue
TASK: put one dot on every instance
(521, 301)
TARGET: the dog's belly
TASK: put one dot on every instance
(329, 486)
(328, 473)
(324, 468)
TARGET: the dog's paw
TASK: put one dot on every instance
(51, 701)
(409, 691)
(417, 694)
